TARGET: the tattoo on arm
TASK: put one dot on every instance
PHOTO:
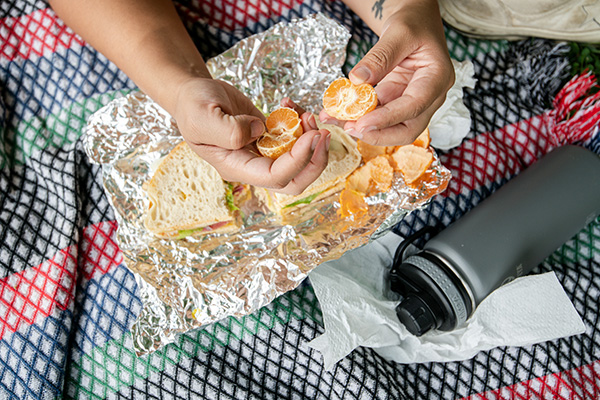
(378, 8)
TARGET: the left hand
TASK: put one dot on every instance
(218, 122)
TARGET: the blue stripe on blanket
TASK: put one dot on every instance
(11, 9)
(107, 310)
(32, 361)
(39, 86)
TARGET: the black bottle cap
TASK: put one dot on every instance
(414, 313)
(431, 292)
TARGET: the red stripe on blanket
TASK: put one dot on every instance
(492, 156)
(99, 251)
(579, 383)
(39, 33)
(35, 293)
(230, 14)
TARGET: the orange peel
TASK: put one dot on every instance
(283, 129)
(412, 162)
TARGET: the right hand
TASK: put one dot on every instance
(411, 70)
(221, 125)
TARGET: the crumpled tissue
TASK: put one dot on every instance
(359, 310)
(451, 123)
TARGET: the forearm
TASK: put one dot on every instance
(145, 39)
(376, 12)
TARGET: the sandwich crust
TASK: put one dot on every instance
(186, 193)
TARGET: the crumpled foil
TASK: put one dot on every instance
(297, 60)
(188, 283)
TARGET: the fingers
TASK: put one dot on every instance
(308, 121)
(327, 119)
(399, 111)
(388, 52)
(395, 135)
(287, 102)
(214, 113)
(229, 131)
(311, 171)
(291, 173)
(409, 100)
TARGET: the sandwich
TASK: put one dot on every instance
(343, 159)
(187, 196)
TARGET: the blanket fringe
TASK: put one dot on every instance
(576, 114)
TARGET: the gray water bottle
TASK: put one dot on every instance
(504, 237)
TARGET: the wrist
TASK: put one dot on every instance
(161, 60)
(166, 73)
(182, 93)
(385, 12)
(167, 89)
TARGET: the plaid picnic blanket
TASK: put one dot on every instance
(67, 301)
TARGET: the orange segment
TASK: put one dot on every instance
(283, 129)
(412, 161)
(346, 101)
(423, 139)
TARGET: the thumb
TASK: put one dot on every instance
(379, 61)
(230, 118)
(211, 125)
(235, 131)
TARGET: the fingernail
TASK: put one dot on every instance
(315, 142)
(367, 129)
(327, 142)
(257, 128)
(355, 134)
(312, 122)
(360, 75)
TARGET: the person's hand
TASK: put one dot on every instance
(411, 70)
(222, 125)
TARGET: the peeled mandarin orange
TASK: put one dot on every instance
(273, 146)
(346, 101)
(283, 129)
(412, 161)
(423, 139)
(284, 121)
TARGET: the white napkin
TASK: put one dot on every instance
(358, 310)
(452, 121)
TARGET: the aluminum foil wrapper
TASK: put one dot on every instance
(297, 60)
(191, 282)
